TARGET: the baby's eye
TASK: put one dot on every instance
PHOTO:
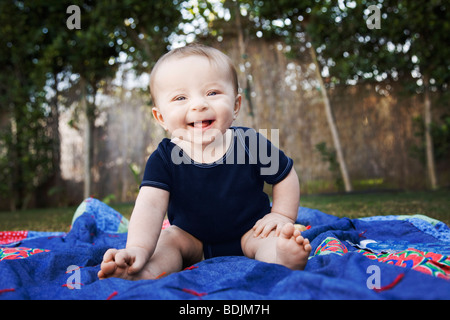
(179, 98)
(212, 93)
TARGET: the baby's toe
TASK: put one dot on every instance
(287, 231)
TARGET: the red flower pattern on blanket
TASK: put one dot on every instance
(18, 253)
(431, 263)
(12, 236)
(331, 245)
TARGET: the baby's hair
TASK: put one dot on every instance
(213, 55)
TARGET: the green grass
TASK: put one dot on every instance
(53, 219)
(433, 204)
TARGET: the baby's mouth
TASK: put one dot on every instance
(201, 124)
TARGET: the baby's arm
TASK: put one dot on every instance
(286, 197)
(144, 228)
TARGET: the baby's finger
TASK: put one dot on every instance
(259, 227)
(109, 255)
(267, 229)
(278, 229)
(257, 224)
(137, 265)
(122, 258)
(257, 230)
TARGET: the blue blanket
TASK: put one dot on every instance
(384, 257)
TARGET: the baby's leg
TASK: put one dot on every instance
(289, 248)
(174, 249)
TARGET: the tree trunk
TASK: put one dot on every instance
(55, 135)
(332, 125)
(87, 140)
(431, 169)
(243, 55)
(125, 171)
(55, 178)
(14, 160)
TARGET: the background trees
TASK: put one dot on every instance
(406, 45)
(25, 144)
(45, 66)
(40, 57)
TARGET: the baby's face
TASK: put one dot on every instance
(195, 99)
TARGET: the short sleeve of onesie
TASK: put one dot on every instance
(272, 162)
(157, 170)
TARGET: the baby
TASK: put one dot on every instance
(208, 178)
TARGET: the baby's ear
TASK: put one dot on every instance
(237, 105)
(159, 117)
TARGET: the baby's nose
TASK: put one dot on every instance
(199, 105)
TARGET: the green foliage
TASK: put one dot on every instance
(329, 156)
(411, 43)
(24, 159)
(109, 198)
(440, 133)
(37, 51)
(136, 172)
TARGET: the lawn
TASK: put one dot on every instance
(433, 204)
(52, 219)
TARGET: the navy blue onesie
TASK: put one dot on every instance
(218, 202)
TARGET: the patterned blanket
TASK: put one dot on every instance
(383, 257)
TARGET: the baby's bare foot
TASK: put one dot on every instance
(292, 249)
(110, 268)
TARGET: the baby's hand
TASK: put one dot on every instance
(270, 222)
(133, 259)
